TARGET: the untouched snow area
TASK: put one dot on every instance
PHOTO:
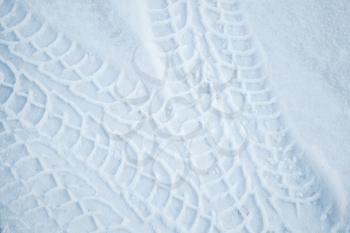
(174, 116)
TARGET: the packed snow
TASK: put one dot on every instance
(174, 116)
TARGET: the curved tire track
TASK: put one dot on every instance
(79, 136)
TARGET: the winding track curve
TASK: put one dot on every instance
(88, 148)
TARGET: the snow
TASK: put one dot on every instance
(309, 56)
(163, 116)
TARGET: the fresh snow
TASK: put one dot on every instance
(174, 116)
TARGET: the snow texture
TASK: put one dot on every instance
(174, 116)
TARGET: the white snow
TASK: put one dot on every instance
(155, 116)
(309, 58)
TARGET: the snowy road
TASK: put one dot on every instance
(198, 145)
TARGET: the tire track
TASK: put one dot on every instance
(82, 137)
(269, 187)
(69, 99)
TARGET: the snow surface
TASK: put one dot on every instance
(309, 58)
(174, 116)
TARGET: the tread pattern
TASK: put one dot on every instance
(66, 101)
(267, 187)
(87, 147)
